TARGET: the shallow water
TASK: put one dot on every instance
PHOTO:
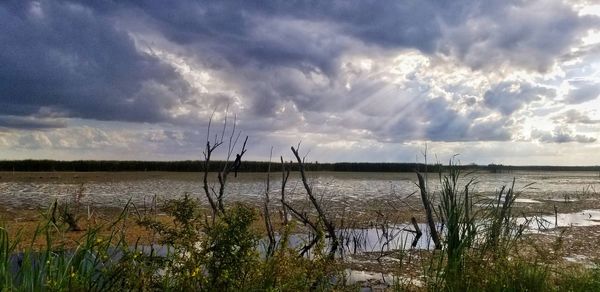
(400, 236)
(393, 237)
(335, 187)
(549, 222)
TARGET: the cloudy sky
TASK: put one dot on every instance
(500, 81)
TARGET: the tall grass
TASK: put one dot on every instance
(480, 244)
(52, 267)
(454, 210)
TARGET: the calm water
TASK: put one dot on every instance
(332, 186)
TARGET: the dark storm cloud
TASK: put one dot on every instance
(80, 59)
(435, 120)
(560, 134)
(508, 97)
(529, 34)
(30, 123)
(234, 29)
(583, 91)
(526, 34)
(573, 116)
(251, 43)
(65, 58)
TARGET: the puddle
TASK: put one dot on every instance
(563, 200)
(393, 237)
(400, 237)
(549, 222)
(373, 281)
(517, 200)
(363, 240)
(525, 200)
(354, 276)
(580, 259)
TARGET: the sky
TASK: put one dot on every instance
(499, 81)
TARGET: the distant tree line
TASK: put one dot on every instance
(257, 166)
(499, 168)
(197, 166)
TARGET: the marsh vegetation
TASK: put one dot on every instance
(484, 244)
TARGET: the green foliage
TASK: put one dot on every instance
(214, 255)
(579, 279)
(220, 254)
(187, 219)
(229, 250)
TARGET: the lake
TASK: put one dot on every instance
(115, 189)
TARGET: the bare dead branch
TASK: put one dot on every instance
(267, 215)
(310, 245)
(302, 217)
(418, 232)
(222, 176)
(429, 212)
(215, 199)
(329, 226)
(285, 174)
(207, 156)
